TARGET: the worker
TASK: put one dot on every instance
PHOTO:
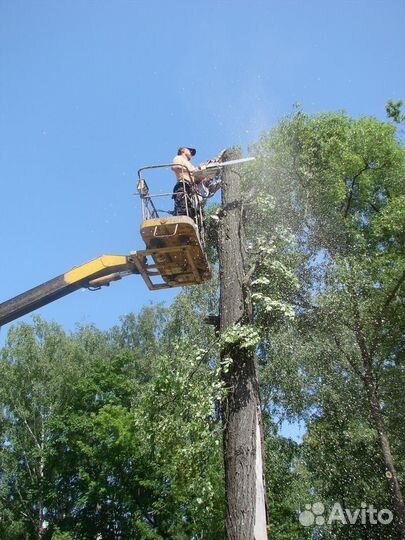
(184, 186)
(206, 189)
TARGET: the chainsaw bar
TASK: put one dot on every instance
(213, 170)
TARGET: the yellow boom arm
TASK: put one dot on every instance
(92, 274)
(174, 258)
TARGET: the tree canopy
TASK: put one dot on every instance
(117, 434)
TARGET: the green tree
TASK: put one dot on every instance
(334, 187)
(34, 366)
(113, 434)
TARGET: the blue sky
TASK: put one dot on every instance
(90, 91)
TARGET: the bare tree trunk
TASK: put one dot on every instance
(370, 385)
(391, 472)
(243, 441)
(41, 475)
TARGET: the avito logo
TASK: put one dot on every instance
(314, 514)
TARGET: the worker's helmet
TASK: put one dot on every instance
(193, 151)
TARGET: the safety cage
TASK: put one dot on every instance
(175, 244)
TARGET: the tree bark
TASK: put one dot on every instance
(370, 385)
(243, 440)
(391, 472)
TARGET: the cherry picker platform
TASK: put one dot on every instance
(175, 254)
(175, 244)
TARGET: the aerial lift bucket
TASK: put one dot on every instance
(175, 250)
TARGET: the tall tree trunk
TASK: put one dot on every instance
(391, 472)
(243, 440)
(370, 385)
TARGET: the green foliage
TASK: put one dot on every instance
(394, 110)
(333, 186)
(118, 433)
(288, 486)
(241, 336)
(112, 434)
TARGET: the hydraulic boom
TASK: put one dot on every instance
(92, 275)
(175, 253)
